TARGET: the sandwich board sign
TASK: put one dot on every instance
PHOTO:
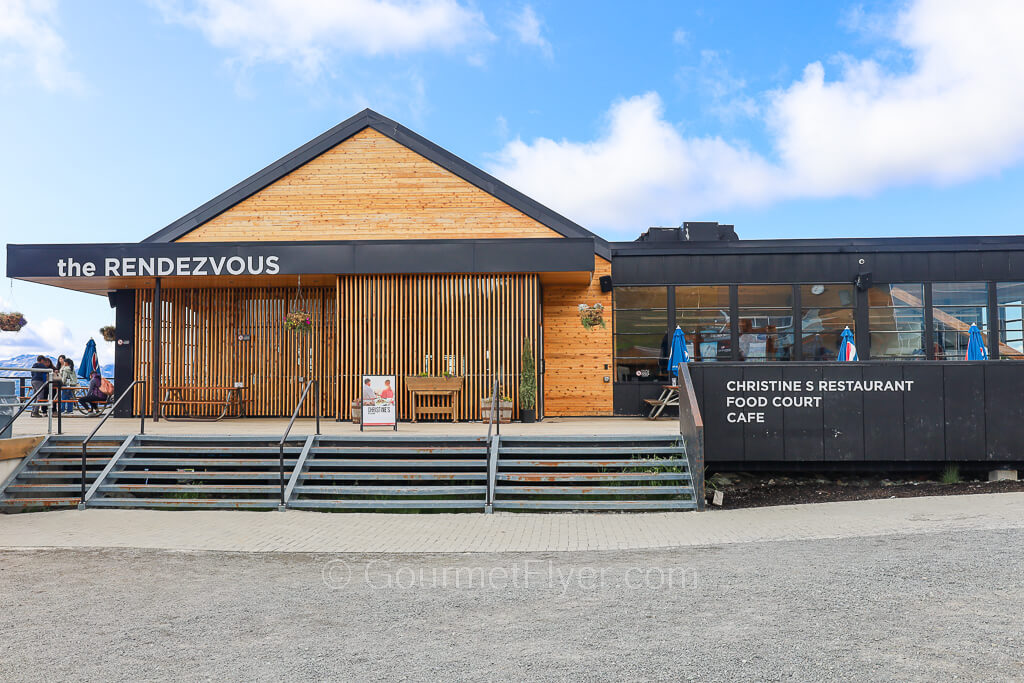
(378, 401)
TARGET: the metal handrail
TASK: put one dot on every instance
(691, 433)
(494, 411)
(52, 383)
(52, 372)
(110, 411)
(295, 414)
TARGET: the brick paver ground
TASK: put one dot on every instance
(298, 531)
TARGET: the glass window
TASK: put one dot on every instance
(825, 311)
(955, 305)
(703, 314)
(896, 321)
(766, 322)
(641, 333)
(1010, 301)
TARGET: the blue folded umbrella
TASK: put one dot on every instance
(678, 354)
(847, 350)
(90, 362)
(976, 345)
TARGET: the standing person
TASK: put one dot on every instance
(39, 379)
(68, 380)
(94, 395)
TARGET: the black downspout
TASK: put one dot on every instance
(154, 387)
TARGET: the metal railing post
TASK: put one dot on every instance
(287, 431)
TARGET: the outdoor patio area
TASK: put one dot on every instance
(80, 424)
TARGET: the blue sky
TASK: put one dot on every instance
(789, 119)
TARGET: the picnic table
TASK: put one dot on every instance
(227, 399)
(669, 397)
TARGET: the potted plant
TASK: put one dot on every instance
(12, 322)
(527, 386)
(299, 321)
(592, 316)
(504, 409)
(109, 333)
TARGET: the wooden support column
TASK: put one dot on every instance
(154, 379)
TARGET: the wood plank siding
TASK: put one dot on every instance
(369, 187)
(577, 360)
(401, 324)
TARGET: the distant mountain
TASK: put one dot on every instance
(26, 360)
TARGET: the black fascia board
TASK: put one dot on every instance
(536, 255)
(417, 143)
(824, 246)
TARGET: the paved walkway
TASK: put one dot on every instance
(317, 532)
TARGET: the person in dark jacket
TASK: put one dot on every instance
(93, 395)
(40, 379)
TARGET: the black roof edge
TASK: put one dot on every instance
(399, 133)
(823, 245)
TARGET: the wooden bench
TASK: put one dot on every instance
(228, 399)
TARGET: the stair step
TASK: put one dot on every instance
(396, 450)
(70, 461)
(516, 504)
(591, 476)
(38, 502)
(16, 488)
(595, 490)
(376, 462)
(213, 450)
(392, 490)
(206, 462)
(586, 450)
(155, 474)
(187, 503)
(412, 476)
(657, 462)
(413, 503)
(189, 488)
(58, 474)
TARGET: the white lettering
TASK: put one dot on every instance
(236, 265)
(200, 268)
(89, 269)
(255, 269)
(272, 267)
(217, 265)
(60, 267)
(164, 266)
(128, 266)
(182, 265)
(111, 267)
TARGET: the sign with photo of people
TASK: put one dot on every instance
(378, 399)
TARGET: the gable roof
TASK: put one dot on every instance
(400, 134)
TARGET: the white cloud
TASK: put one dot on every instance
(953, 115)
(680, 36)
(529, 29)
(307, 33)
(50, 336)
(29, 41)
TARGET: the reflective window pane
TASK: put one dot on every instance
(702, 312)
(1010, 301)
(896, 321)
(955, 306)
(765, 322)
(641, 333)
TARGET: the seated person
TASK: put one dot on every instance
(94, 395)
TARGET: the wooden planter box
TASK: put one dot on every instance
(504, 410)
(433, 383)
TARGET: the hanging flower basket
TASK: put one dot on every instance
(299, 321)
(592, 316)
(12, 322)
(109, 333)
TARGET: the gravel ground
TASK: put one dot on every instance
(922, 607)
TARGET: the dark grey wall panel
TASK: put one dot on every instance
(883, 417)
(844, 416)
(1004, 411)
(763, 440)
(965, 412)
(804, 433)
(924, 416)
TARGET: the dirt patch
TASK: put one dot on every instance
(746, 491)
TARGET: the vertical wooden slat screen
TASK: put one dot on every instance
(473, 325)
(406, 325)
(220, 337)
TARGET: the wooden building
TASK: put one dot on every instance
(410, 260)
